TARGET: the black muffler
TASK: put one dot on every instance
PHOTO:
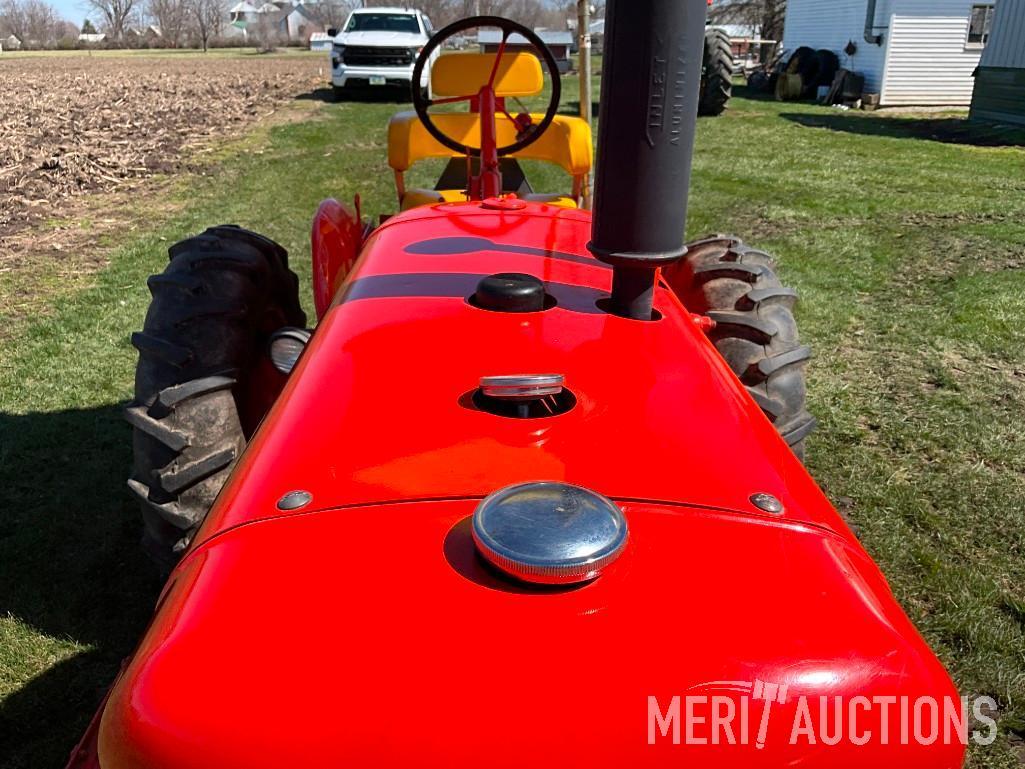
(651, 79)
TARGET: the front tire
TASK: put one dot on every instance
(212, 311)
(755, 331)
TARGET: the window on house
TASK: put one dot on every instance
(979, 25)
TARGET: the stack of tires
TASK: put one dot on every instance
(805, 73)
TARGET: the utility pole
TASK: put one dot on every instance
(584, 56)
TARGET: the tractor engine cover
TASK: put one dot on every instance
(334, 609)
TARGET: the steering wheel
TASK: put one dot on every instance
(528, 134)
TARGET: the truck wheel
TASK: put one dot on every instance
(717, 73)
(212, 310)
(755, 331)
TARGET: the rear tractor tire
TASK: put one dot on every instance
(716, 73)
(211, 314)
(755, 330)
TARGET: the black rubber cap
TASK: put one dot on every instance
(510, 292)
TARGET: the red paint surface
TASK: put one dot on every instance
(335, 241)
(362, 631)
(375, 411)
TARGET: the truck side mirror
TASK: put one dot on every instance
(332, 31)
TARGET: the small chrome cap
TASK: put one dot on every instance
(522, 386)
(549, 533)
(767, 503)
(286, 345)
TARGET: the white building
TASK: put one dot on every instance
(1000, 83)
(911, 52)
(285, 20)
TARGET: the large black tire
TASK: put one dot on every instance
(806, 63)
(755, 331)
(213, 308)
(716, 73)
(829, 65)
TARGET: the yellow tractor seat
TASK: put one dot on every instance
(462, 74)
(566, 143)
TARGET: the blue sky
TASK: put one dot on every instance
(73, 10)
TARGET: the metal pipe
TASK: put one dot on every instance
(651, 76)
(870, 25)
(584, 56)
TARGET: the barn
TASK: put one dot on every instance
(1000, 81)
(911, 52)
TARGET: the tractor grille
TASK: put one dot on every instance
(364, 56)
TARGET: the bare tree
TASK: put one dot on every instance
(33, 22)
(40, 23)
(440, 12)
(530, 13)
(265, 33)
(65, 33)
(12, 19)
(171, 16)
(207, 19)
(767, 15)
(115, 15)
(333, 13)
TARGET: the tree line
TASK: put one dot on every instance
(184, 23)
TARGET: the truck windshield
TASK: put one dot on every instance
(382, 22)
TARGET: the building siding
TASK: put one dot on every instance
(923, 59)
(999, 95)
(1000, 86)
(832, 24)
(927, 61)
(1007, 42)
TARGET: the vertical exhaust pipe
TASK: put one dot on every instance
(651, 77)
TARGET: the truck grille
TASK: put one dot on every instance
(365, 56)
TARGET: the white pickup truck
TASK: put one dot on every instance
(378, 47)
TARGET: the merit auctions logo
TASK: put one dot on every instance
(741, 713)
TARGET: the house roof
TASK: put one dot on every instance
(92, 37)
(302, 10)
(548, 37)
(384, 10)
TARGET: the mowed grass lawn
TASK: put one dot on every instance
(909, 255)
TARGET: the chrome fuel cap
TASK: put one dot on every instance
(522, 386)
(549, 533)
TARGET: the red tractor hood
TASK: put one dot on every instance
(373, 637)
(379, 407)
(363, 631)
